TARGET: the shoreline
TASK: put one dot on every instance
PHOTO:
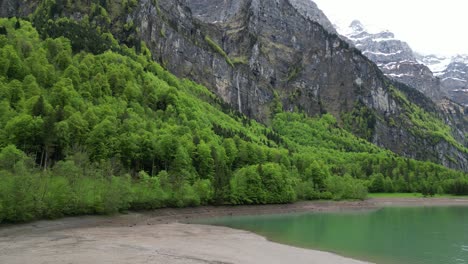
(166, 236)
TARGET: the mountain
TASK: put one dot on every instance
(252, 53)
(84, 133)
(453, 73)
(93, 119)
(431, 75)
(435, 76)
(395, 58)
(257, 54)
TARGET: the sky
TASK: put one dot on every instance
(429, 26)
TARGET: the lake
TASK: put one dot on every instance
(391, 235)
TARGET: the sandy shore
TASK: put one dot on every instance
(162, 237)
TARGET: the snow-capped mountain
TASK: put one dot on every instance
(395, 58)
(455, 79)
(435, 76)
(437, 64)
(453, 74)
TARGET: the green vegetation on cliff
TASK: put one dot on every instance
(425, 124)
(100, 131)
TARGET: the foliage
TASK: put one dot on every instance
(346, 187)
(264, 183)
(425, 124)
(361, 121)
(103, 132)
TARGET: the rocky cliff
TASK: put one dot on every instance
(21, 8)
(256, 54)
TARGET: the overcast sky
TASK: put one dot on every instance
(429, 26)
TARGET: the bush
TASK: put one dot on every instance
(306, 190)
(185, 196)
(204, 190)
(13, 159)
(259, 184)
(147, 193)
(276, 183)
(56, 199)
(377, 183)
(18, 195)
(246, 187)
(346, 187)
(34, 196)
(457, 186)
(116, 195)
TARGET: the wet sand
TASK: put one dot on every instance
(162, 236)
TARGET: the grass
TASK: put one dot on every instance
(410, 195)
(395, 195)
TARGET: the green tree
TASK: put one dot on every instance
(25, 131)
(204, 161)
(247, 187)
(377, 183)
(277, 183)
(12, 158)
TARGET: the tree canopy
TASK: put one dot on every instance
(84, 132)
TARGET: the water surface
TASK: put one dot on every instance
(421, 235)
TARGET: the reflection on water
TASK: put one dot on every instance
(426, 235)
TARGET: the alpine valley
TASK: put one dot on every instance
(141, 104)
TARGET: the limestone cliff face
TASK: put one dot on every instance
(253, 53)
(270, 47)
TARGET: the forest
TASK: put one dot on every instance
(106, 130)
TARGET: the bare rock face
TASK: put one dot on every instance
(271, 46)
(253, 53)
(311, 11)
(19, 8)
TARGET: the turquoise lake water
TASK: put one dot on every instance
(421, 235)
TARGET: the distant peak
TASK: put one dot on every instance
(357, 25)
(461, 58)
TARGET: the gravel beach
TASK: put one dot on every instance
(164, 236)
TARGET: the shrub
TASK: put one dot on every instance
(147, 193)
(246, 187)
(204, 190)
(346, 187)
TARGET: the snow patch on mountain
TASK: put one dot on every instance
(437, 64)
(394, 57)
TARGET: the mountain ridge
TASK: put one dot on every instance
(395, 58)
(435, 76)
